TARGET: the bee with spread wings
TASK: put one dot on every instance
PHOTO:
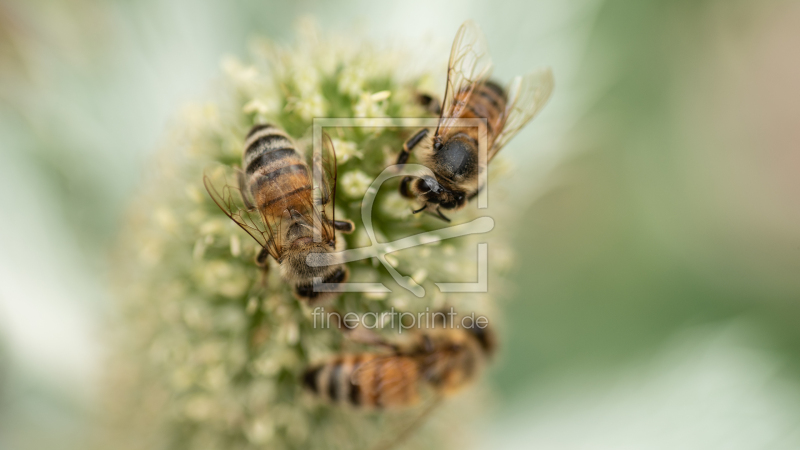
(273, 199)
(452, 153)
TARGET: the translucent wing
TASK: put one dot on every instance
(527, 95)
(470, 64)
(223, 184)
(324, 177)
(406, 431)
(325, 172)
(397, 379)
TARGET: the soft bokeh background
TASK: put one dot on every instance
(657, 301)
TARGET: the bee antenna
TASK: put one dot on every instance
(416, 211)
(442, 216)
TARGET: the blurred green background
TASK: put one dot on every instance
(656, 301)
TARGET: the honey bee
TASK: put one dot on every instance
(452, 153)
(446, 359)
(291, 222)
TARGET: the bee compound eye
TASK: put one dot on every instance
(431, 184)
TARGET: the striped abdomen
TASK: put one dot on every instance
(488, 100)
(275, 173)
(379, 381)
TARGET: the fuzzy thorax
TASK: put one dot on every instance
(295, 267)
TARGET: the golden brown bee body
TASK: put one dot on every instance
(275, 174)
(358, 379)
(453, 152)
(276, 185)
(454, 158)
(445, 359)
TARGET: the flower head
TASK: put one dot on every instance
(210, 349)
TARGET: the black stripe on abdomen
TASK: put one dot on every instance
(481, 106)
(355, 389)
(496, 88)
(268, 157)
(256, 129)
(266, 143)
(287, 195)
(480, 110)
(270, 177)
(491, 98)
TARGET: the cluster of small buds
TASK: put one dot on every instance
(208, 349)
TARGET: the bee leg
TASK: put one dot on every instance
(345, 226)
(261, 259)
(417, 211)
(440, 215)
(410, 144)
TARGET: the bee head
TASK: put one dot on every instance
(485, 337)
(452, 200)
(428, 186)
(431, 191)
